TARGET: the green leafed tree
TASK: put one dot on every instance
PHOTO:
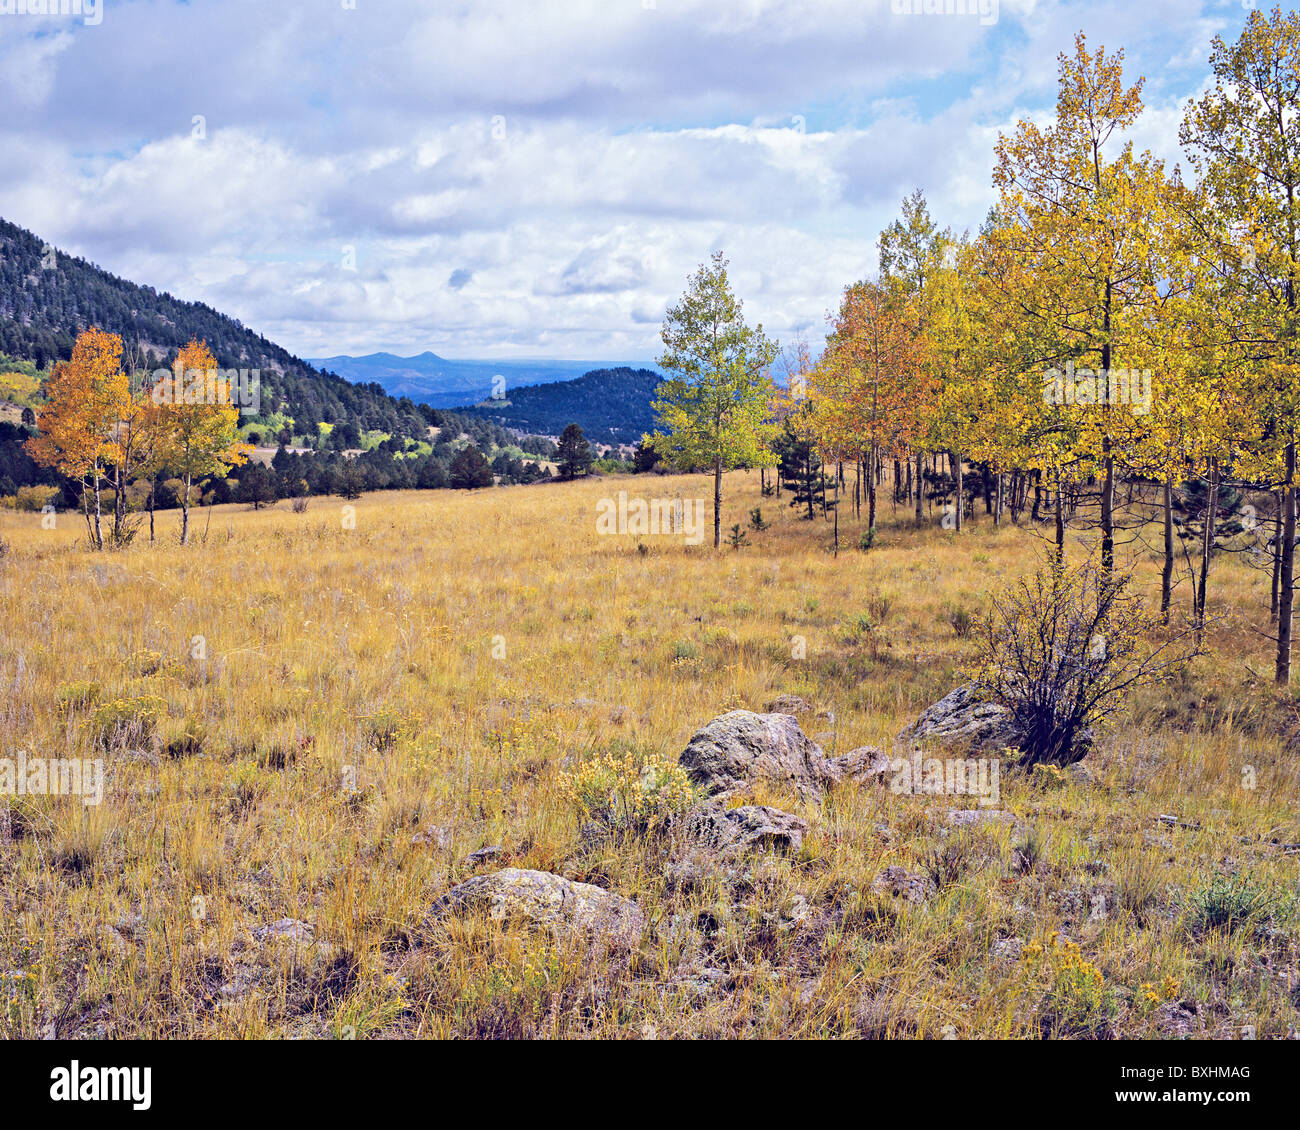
(574, 453)
(470, 470)
(715, 406)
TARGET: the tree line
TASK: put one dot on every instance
(1114, 349)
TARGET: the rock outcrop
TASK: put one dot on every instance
(966, 720)
(730, 832)
(901, 883)
(740, 748)
(789, 704)
(963, 718)
(866, 763)
(542, 899)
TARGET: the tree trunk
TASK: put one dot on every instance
(185, 513)
(1286, 580)
(872, 459)
(955, 459)
(1277, 558)
(119, 505)
(1060, 524)
(837, 514)
(718, 502)
(1207, 542)
(1108, 480)
(920, 479)
(1108, 510)
(1167, 574)
(99, 531)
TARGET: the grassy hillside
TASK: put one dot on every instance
(370, 705)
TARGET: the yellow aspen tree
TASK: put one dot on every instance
(77, 427)
(1080, 210)
(1243, 138)
(198, 424)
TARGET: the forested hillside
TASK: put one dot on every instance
(611, 406)
(47, 297)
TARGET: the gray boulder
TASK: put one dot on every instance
(735, 831)
(789, 704)
(741, 747)
(962, 718)
(901, 883)
(861, 765)
(965, 720)
(285, 930)
(539, 898)
(967, 817)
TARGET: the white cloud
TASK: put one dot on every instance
(524, 178)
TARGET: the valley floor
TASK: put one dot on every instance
(319, 717)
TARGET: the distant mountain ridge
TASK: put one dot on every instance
(442, 383)
(610, 405)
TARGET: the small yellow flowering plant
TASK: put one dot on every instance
(625, 790)
(1150, 994)
(125, 721)
(1069, 993)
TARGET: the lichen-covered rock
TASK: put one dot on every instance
(542, 899)
(752, 827)
(789, 704)
(285, 930)
(965, 817)
(433, 836)
(740, 748)
(963, 718)
(866, 763)
(901, 883)
(966, 720)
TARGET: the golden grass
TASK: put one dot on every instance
(332, 693)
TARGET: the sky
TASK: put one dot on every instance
(533, 178)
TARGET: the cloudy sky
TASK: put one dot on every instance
(531, 178)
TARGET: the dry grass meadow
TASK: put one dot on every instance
(304, 721)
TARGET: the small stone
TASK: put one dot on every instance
(963, 817)
(285, 929)
(1008, 948)
(1177, 1019)
(433, 836)
(901, 883)
(114, 941)
(789, 704)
